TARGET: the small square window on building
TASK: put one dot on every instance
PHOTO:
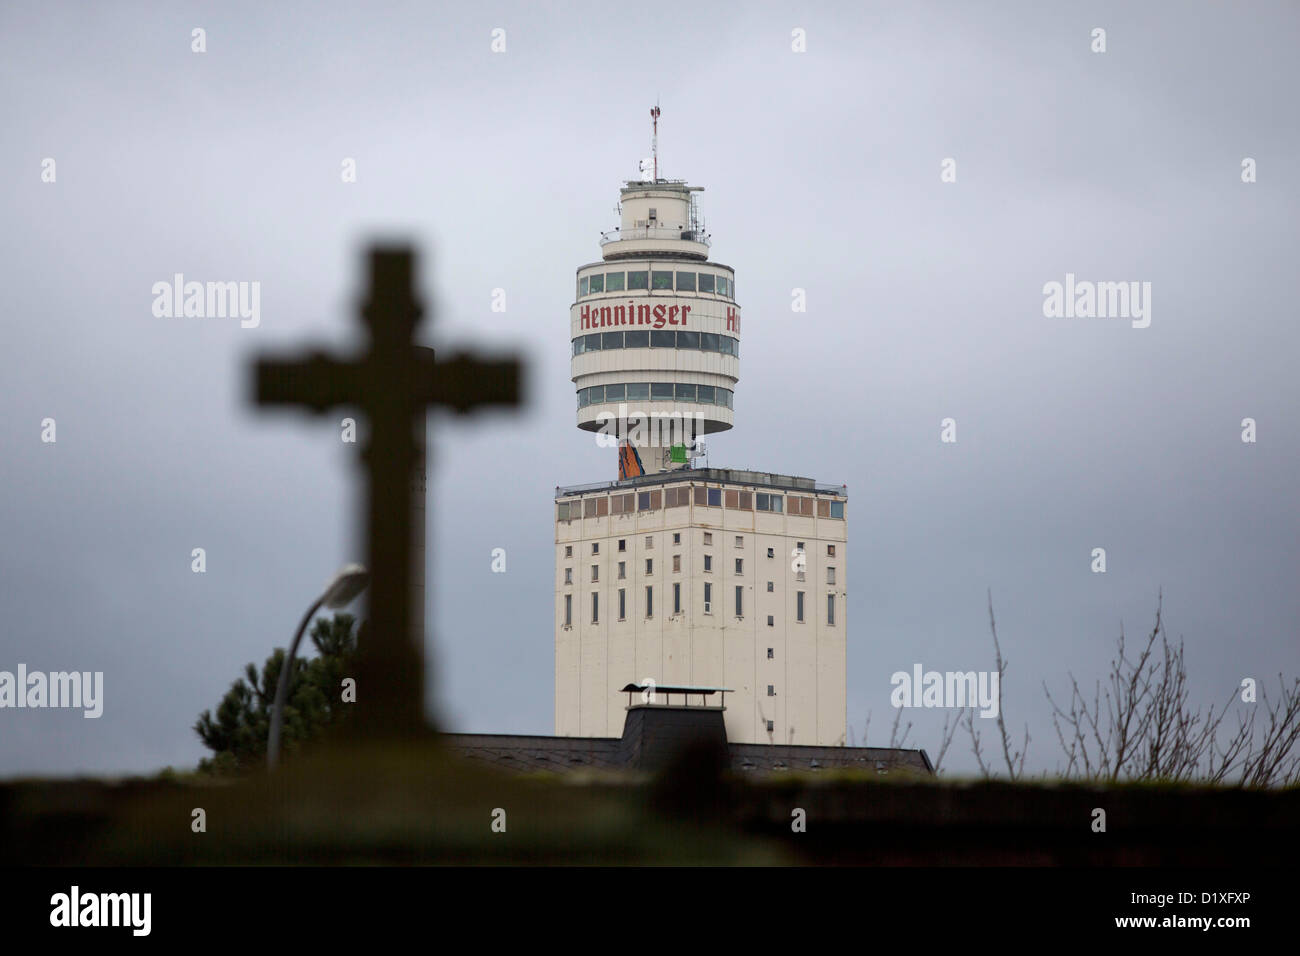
(770, 653)
(595, 572)
(708, 537)
(740, 601)
(568, 550)
(595, 547)
(708, 562)
(649, 602)
(770, 587)
(740, 540)
(771, 690)
(771, 552)
(770, 726)
(830, 575)
(568, 575)
(800, 546)
(622, 544)
(649, 565)
(677, 564)
(622, 570)
(595, 607)
(771, 621)
(708, 598)
(649, 542)
(622, 604)
(677, 537)
(677, 599)
(830, 550)
(568, 610)
(830, 609)
(740, 565)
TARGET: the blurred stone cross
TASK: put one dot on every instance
(393, 384)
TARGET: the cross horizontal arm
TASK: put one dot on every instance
(317, 381)
(464, 383)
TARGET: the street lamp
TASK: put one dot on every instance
(340, 592)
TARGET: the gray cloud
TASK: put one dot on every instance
(821, 171)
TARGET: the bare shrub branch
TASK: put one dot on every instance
(1145, 728)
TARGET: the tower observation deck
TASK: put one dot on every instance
(655, 327)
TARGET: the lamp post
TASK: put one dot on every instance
(340, 592)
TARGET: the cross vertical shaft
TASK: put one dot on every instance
(393, 383)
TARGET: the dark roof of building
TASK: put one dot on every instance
(532, 753)
(652, 733)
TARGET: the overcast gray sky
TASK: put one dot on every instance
(822, 172)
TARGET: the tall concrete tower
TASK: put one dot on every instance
(655, 327)
(676, 573)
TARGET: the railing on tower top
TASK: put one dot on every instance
(726, 475)
(654, 232)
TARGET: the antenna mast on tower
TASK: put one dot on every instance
(654, 138)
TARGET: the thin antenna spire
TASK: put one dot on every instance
(654, 137)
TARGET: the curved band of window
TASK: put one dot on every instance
(708, 282)
(655, 392)
(657, 339)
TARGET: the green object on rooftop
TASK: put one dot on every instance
(678, 453)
